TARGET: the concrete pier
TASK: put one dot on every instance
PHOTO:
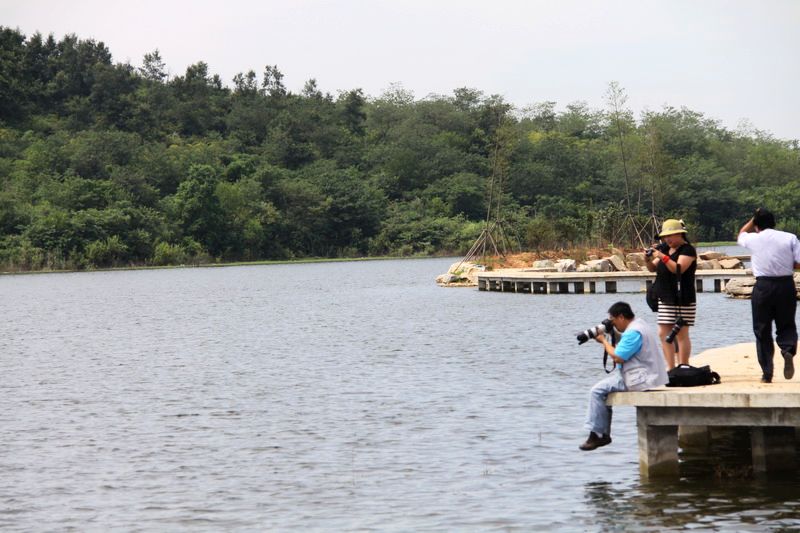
(770, 411)
(533, 282)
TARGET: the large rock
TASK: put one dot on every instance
(633, 266)
(444, 279)
(711, 255)
(740, 287)
(599, 265)
(566, 265)
(743, 287)
(618, 263)
(704, 265)
(543, 263)
(637, 257)
(461, 273)
(731, 263)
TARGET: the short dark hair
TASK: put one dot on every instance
(621, 308)
(764, 219)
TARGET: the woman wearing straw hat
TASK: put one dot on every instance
(675, 300)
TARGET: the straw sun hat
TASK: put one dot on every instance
(672, 226)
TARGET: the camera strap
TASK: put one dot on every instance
(606, 356)
(678, 288)
(678, 302)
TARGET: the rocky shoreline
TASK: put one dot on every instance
(464, 273)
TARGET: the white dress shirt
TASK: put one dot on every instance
(774, 252)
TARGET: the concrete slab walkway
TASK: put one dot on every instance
(771, 411)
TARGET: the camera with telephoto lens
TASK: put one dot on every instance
(606, 326)
(670, 338)
(661, 247)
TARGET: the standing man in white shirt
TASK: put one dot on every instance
(775, 255)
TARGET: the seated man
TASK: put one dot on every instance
(640, 366)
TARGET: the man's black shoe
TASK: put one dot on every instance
(788, 364)
(594, 442)
(766, 379)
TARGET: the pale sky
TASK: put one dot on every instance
(732, 60)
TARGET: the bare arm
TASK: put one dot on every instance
(685, 261)
(748, 227)
(651, 263)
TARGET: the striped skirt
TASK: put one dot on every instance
(668, 314)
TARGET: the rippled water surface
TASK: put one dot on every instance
(333, 396)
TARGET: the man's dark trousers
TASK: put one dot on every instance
(774, 300)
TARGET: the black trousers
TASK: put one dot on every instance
(774, 300)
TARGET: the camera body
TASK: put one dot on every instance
(670, 338)
(606, 326)
(661, 247)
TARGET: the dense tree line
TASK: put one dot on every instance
(105, 164)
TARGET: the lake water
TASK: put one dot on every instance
(330, 397)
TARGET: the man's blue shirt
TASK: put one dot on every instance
(629, 344)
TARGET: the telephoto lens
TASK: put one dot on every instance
(590, 333)
(600, 329)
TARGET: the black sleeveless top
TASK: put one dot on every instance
(666, 286)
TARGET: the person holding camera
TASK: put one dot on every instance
(674, 261)
(639, 367)
(775, 255)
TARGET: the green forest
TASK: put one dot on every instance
(106, 164)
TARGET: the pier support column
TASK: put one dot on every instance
(696, 438)
(611, 287)
(658, 447)
(773, 449)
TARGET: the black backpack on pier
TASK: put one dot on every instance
(690, 376)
